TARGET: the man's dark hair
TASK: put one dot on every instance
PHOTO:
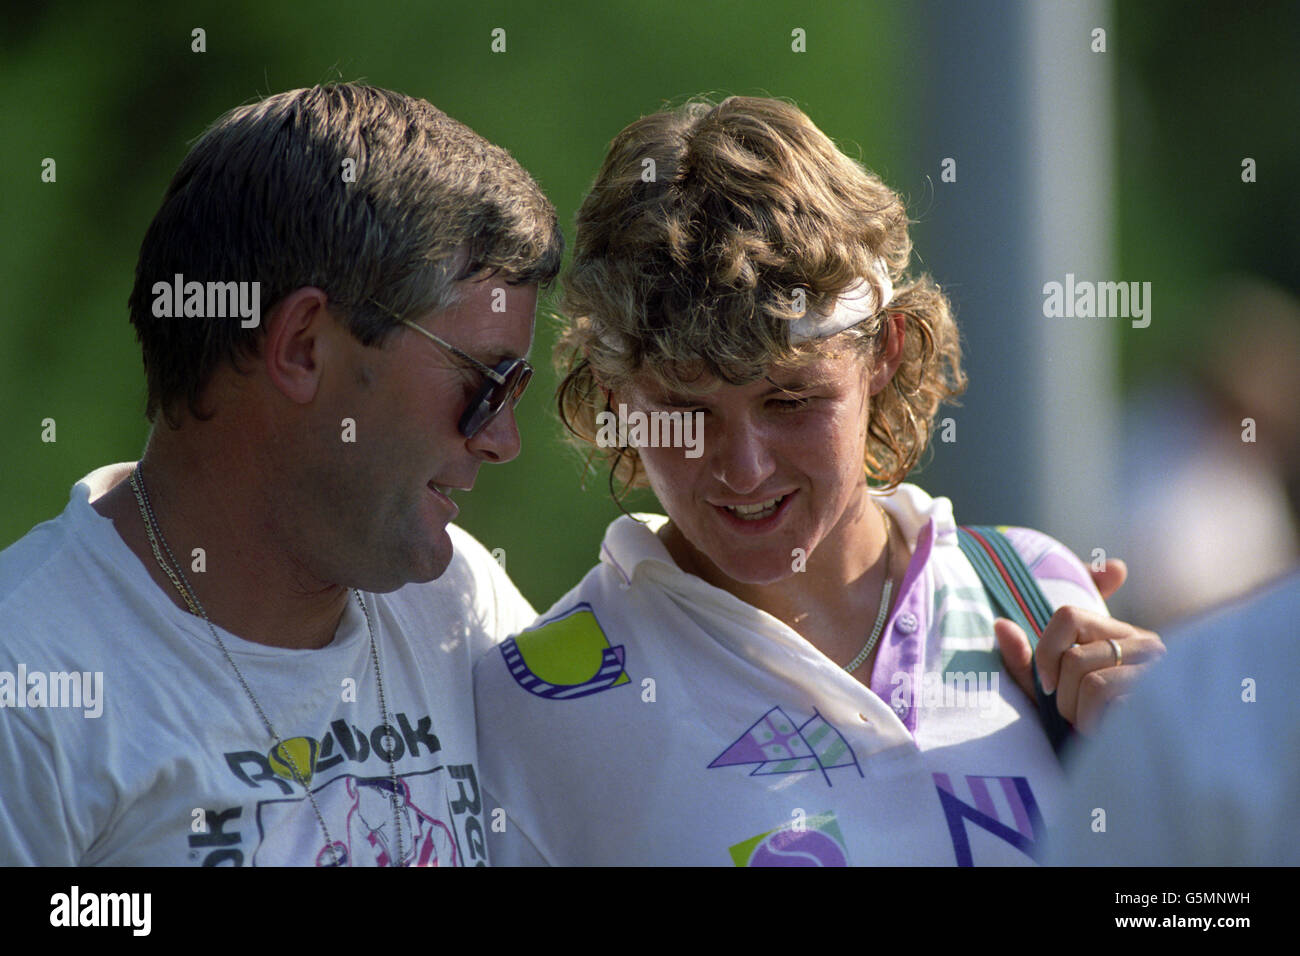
(367, 194)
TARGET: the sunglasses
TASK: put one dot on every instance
(505, 383)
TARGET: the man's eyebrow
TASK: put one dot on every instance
(492, 354)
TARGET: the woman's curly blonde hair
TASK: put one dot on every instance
(703, 224)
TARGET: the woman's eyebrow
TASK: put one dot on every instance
(795, 384)
(798, 384)
(675, 398)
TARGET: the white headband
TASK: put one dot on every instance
(856, 304)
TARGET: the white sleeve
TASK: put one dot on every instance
(1122, 769)
(507, 844)
(1198, 767)
(513, 611)
(506, 611)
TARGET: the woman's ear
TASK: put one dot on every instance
(890, 350)
(605, 390)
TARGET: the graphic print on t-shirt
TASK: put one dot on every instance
(1002, 806)
(816, 841)
(776, 745)
(359, 814)
(437, 828)
(293, 757)
(437, 811)
(565, 657)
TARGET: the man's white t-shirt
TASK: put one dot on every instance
(126, 738)
(651, 718)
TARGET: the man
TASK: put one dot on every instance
(254, 647)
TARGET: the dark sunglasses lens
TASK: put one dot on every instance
(525, 376)
(516, 380)
(493, 397)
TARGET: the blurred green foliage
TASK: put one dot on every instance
(1200, 87)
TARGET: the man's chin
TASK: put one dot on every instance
(434, 563)
(437, 570)
(425, 566)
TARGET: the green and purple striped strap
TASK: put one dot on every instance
(1016, 595)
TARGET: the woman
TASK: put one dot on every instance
(794, 666)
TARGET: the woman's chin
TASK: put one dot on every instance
(744, 562)
(760, 572)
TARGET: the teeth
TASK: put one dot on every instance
(763, 509)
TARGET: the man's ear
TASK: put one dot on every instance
(299, 332)
(890, 352)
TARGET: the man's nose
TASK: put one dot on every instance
(498, 441)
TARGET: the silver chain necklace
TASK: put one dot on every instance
(884, 603)
(178, 578)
